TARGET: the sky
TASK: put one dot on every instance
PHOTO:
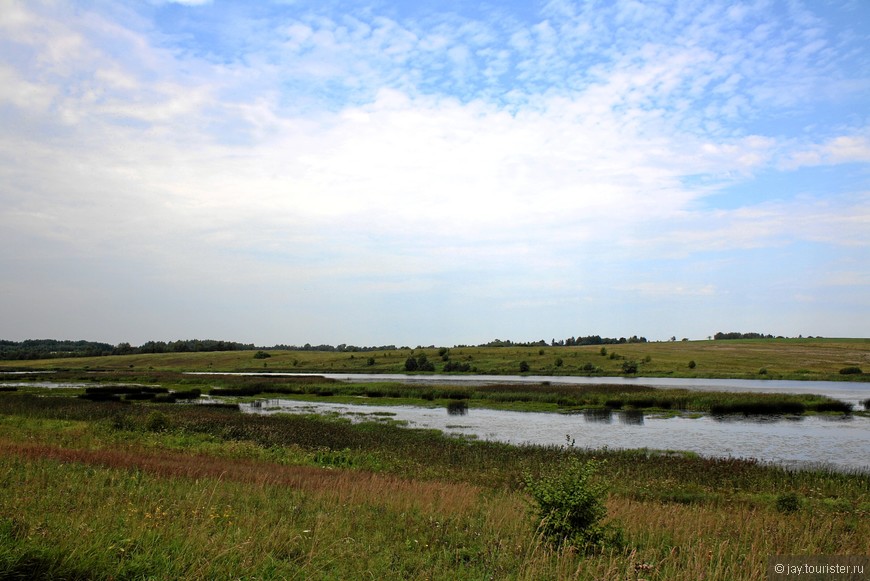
(420, 172)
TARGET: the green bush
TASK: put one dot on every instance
(851, 371)
(569, 504)
(629, 367)
(524, 367)
(788, 503)
(156, 422)
(692, 364)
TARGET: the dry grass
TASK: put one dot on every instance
(339, 486)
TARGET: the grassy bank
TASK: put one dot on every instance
(98, 490)
(819, 359)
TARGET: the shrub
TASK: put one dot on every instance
(261, 355)
(569, 504)
(692, 364)
(788, 503)
(559, 362)
(629, 367)
(420, 363)
(524, 367)
(456, 366)
(156, 422)
(851, 371)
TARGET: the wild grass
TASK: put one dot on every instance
(118, 490)
(779, 358)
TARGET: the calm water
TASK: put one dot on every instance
(848, 391)
(840, 442)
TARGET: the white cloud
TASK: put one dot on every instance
(338, 146)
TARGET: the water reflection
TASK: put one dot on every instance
(787, 440)
(598, 416)
(755, 418)
(631, 417)
(457, 408)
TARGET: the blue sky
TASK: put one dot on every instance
(433, 172)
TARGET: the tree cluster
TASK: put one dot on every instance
(596, 340)
(721, 336)
(48, 348)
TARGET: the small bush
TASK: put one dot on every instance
(261, 355)
(559, 362)
(788, 503)
(456, 366)
(420, 363)
(851, 371)
(156, 422)
(524, 367)
(569, 504)
(629, 367)
(692, 364)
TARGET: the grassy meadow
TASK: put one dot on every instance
(112, 490)
(819, 359)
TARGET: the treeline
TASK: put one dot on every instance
(720, 336)
(342, 348)
(47, 348)
(51, 348)
(569, 342)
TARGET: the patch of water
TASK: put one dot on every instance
(841, 442)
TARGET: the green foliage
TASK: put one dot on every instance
(419, 363)
(156, 422)
(559, 362)
(569, 503)
(261, 355)
(629, 366)
(456, 366)
(692, 364)
(788, 503)
(524, 367)
(851, 371)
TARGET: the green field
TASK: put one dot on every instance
(811, 359)
(108, 490)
